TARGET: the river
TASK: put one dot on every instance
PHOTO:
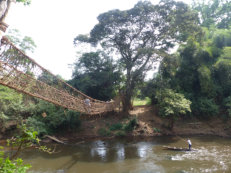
(212, 154)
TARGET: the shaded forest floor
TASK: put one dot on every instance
(149, 124)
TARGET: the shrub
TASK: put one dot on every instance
(117, 126)
(156, 130)
(172, 104)
(39, 126)
(8, 166)
(104, 132)
(120, 134)
(56, 118)
(131, 125)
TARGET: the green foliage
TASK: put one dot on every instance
(222, 71)
(227, 104)
(173, 104)
(213, 12)
(97, 75)
(133, 35)
(55, 119)
(12, 105)
(205, 107)
(24, 43)
(205, 79)
(9, 100)
(8, 166)
(117, 126)
(200, 70)
(221, 38)
(141, 102)
(104, 132)
(25, 2)
(25, 139)
(130, 125)
(156, 130)
(119, 129)
(120, 133)
(37, 125)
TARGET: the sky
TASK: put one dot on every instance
(53, 25)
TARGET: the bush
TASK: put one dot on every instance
(104, 132)
(120, 134)
(131, 125)
(172, 104)
(56, 118)
(12, 106)
(156, 130)
(117, 126)
(8, 166)
(37, 125)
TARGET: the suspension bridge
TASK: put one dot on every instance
(21, 73)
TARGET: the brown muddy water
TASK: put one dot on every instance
(212, 154)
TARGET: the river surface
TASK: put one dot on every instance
(211, 154)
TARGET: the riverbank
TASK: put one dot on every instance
(148, 124)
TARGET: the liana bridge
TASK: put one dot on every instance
(21, 73)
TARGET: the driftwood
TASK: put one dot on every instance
(55, 139)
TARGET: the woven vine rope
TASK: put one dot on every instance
(20, 72)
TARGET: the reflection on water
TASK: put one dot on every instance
(135, 156)
(120, 151)
(99, 149)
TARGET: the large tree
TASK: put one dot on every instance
(140, 36)
(97, 75)
(214, 12)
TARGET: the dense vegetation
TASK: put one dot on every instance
(141, 36)
(200, 69)
(194, 79)
(191, 44)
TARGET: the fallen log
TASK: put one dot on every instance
(55, 139)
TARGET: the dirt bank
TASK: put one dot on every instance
(148, 124)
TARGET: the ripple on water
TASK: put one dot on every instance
(219, 159)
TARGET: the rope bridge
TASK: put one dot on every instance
(20, 72)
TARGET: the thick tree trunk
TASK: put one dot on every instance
(126, 99)
(127, 105)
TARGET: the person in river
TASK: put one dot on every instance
(189, 144)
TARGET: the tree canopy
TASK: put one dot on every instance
(141, 36)
(213, 12)
(97, 75)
